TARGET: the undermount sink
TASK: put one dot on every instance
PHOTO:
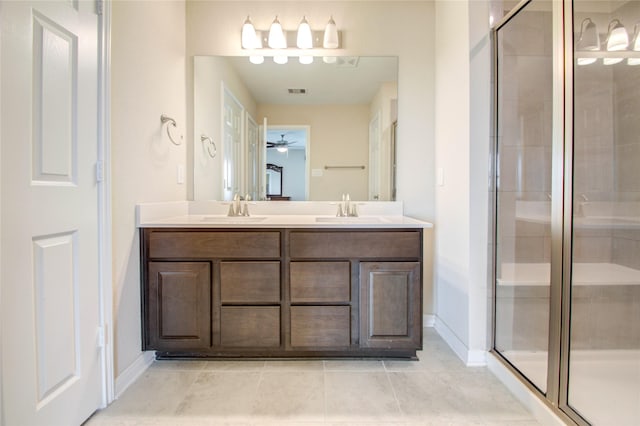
(349, 219)
(234, 219)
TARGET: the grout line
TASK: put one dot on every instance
(395, 395)
(188, 391)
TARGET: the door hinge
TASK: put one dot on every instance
(102, 337)
(99, 171)
(99, 7)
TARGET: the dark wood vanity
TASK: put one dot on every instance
(282, 292)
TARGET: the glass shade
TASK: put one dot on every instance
(248, 35)
(617, 37)
(305, 37)
(277, 40)
(611, 61)
(306, 59)
(586, 61)
(589, 38)
(330, 35)
(280, 59)
(256, 59)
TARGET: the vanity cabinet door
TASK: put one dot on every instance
(390, 305)
(178, 306)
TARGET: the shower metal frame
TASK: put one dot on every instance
(556, 396)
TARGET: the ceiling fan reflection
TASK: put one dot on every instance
(282, 145)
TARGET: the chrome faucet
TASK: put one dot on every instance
(236, 208)
(346, 208)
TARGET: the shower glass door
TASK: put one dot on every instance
(523, 189)
(604, 342)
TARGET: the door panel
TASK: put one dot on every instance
(179, 303)
(50, 349)
(523, 209)
(390, 300)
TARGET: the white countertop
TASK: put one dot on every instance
(273, 214)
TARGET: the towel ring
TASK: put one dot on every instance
(210, 144)
(172, 129)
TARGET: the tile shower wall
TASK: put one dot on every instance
(593, 157)
(525, 139)
(626, 155)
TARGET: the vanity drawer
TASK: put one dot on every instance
(250, 326)
(320, 282)
(211, 244)
(353, 244)
(250, 282)
(320, 326)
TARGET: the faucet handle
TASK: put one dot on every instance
(232, 210)
(341, 212)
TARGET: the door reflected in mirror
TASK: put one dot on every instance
(348, 109)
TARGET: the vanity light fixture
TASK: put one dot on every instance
(635, 46)
(589, 41)
(277, 39)
(617, 40)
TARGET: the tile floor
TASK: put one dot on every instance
(436, 390)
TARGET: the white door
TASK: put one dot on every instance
(232, 149)
(262, 141)
(51, 360)
(253, 158)
(375, 133)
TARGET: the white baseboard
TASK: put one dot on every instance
(471, 358)
(538, 408)
(428, 320)
(132, 372)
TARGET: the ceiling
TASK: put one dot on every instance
(351, 80)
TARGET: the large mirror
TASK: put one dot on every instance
(329, 125)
